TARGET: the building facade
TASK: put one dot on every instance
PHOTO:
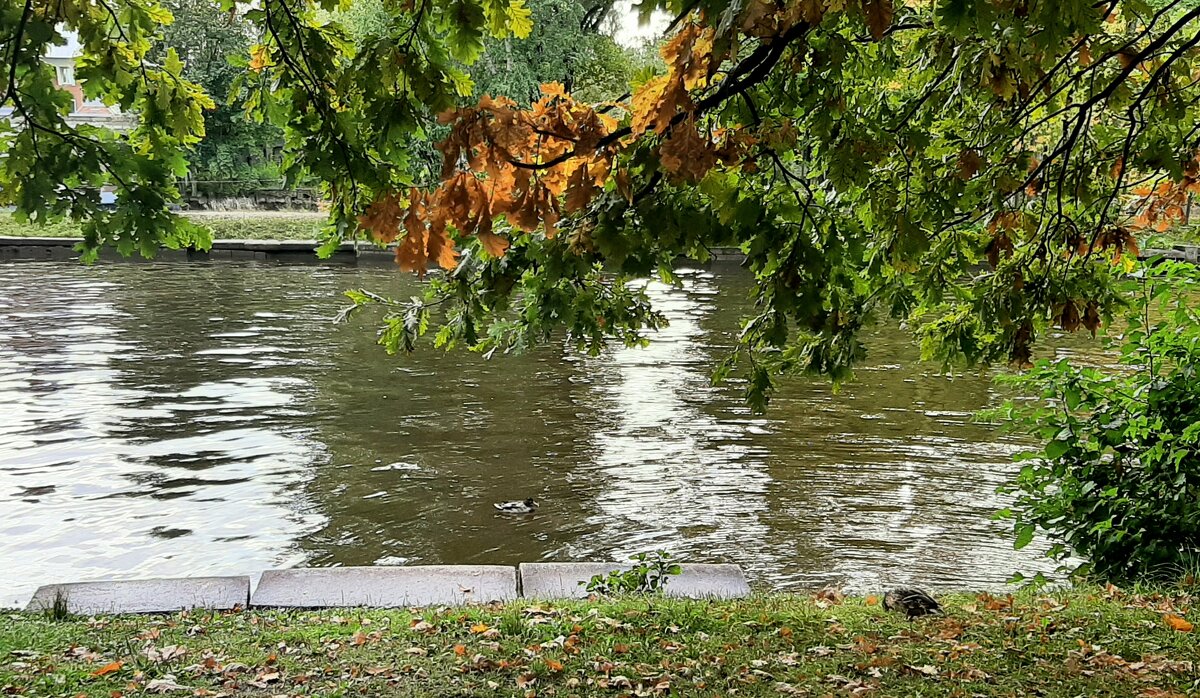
(85, 111)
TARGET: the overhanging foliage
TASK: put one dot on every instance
(965, 165)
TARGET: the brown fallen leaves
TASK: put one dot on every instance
(798, 646)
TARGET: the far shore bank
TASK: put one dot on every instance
(225, 225)
(293, 236)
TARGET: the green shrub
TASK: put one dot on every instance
(1117, 480)
(648, 576)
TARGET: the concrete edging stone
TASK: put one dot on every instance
(145, 595)
(385, 587)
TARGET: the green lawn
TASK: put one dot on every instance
(1086, 642)
(243, 225)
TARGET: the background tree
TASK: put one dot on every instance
(234, 147)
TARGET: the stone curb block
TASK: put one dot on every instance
(385, 587)
(561, 580)
(146, 595)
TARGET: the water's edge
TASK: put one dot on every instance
(58, 249)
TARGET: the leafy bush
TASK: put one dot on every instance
(1118, 478)
(648, 576)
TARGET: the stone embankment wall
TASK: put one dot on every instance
(283, 251)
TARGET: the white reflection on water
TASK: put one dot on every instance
(105, 473)
(670, 475)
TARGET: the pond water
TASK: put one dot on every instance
(160, 420)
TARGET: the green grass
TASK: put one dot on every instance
(1084, 642)
(248, 225)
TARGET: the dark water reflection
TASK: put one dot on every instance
(180, 420)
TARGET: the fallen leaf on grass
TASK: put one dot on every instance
(417, 651)
(108, 669)
(865, 645)
(872, 600)
(1177, 622)
(615, 682)
(993, 603)
(830, 595)
(165, 685)
(420, 626)
(925, 669)
(358, 639)
(460, 650)
(166, 654)
(554, 665)
(82, 653)
(479, 628)
(264, 679)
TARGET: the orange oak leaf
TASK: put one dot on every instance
(382, 218)
(580, 189)
(690, 55)
(625, 184)
(969, 163)
(687, 154)
(656, 102)
(811, 11)
(1177, 623)
(760, 19)
(879, 16)
(493, 243)
(108, 669)
(1085, 55)
(411, 253)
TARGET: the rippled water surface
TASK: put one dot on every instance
(160, 420)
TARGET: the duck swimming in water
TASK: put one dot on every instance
(913, 602)
(526, 507)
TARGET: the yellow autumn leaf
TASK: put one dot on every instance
(259, 58)
(520, 19)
